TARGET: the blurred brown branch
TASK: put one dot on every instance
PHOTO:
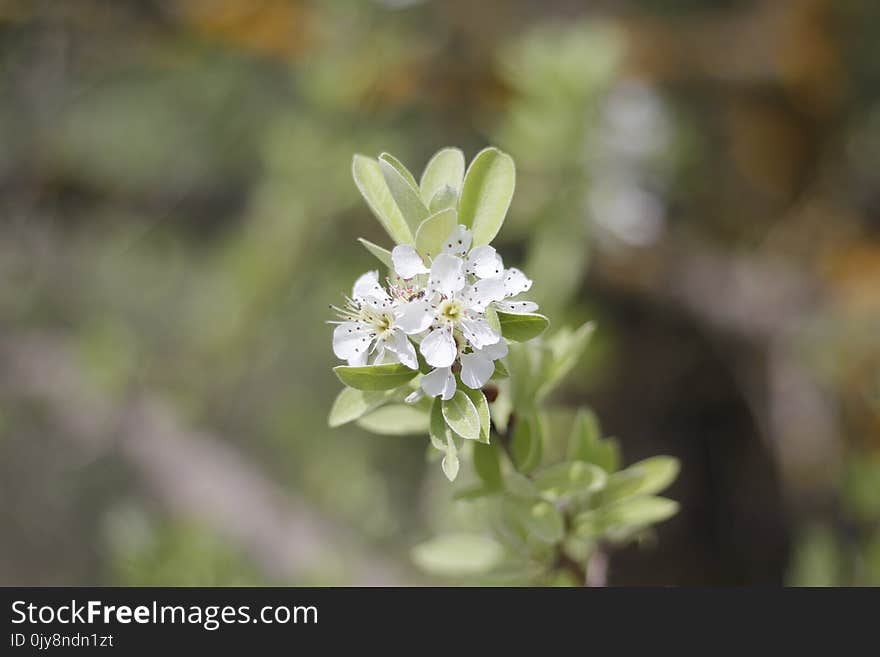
(189, 472)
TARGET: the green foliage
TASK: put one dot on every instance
(351, 403)
(382, 254)
(521, 328)
(433, 230)
(457, 554)
(461, 416)
(444, 171)
(396, 420)
(403, 190)
(585, 442)
(374, 377)
(486, 194)
(370, 180)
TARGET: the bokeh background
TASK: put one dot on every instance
(702, 178)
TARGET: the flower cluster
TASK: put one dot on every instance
(441, 305)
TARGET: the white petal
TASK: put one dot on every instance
(495, 351)
(484, 262)
(439, 347)
(351, 339)
(398, 343)
(447, 274)
(414, 317)
(439, 383)
(479, 295)
(516, 307)
(476, 370)
(515, 282)
(407, 261)
(478, 333)
(367, 286)
(459, 241)
(358, 360)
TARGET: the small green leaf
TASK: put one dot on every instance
(527, 443)
(405, 194)
(350, 404)
(383, 255)
(488, 466)
(457, 555)
(402, 170)
(500, 371)
(462, 416)
(521, 328)
(518, 485)
(444, 169)
(569, 478)
(566, 348)
(585, 443)
(437, 425)
(629, 514)
(482, 406)
(539, 519)
(450, 459)
(486, 194)
(445, 199)
(371, 183)
(643, 478)
(374, 377)
(433, 230)
(492, 319)
(396, 420)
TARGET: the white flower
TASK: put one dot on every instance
(373, 323)
(515, 282)
(442, 305)
(461, 285)
(477, 367)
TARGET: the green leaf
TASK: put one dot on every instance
(626, 514)
(404, 192)
(383, 255)
(457, 555)
(433, 230)
(527, 443)
(482, 406)
(569, 478)
(402, 170)
(444, 169)
(585, 443)
(462, 416)
(500, 371)
(437, 425)
(371, 183)
(445, 199)
(486, 194)
(488, 466)
(518, 485)
(643, 478)
(492, 319)
(521, 328)
(374, 377)
(566, 348)
(350, 404)
(540, 519)
(396, 420)
(450, 459)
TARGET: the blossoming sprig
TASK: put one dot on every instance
(444, 345)
(440, 324)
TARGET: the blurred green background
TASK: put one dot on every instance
(177, 212)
